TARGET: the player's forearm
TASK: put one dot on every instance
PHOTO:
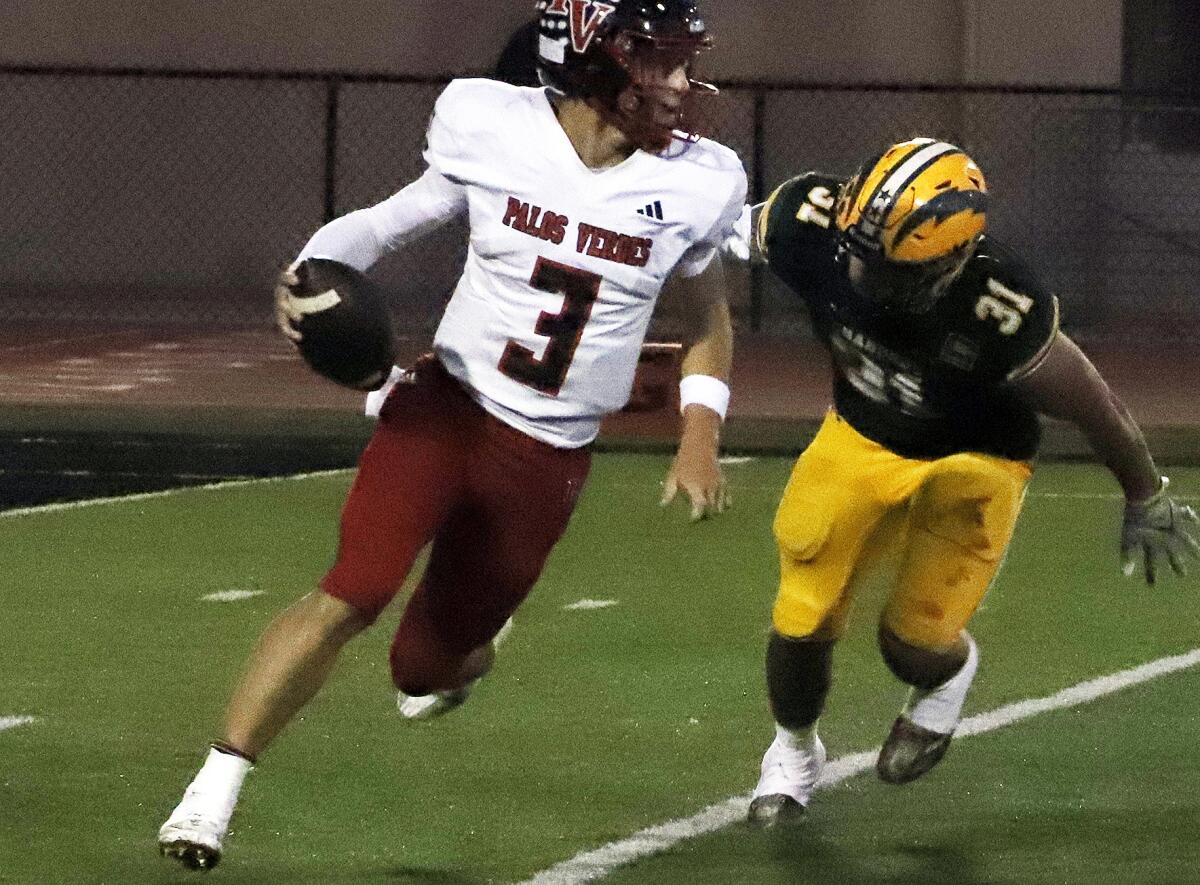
(364, 236)
(1118, 441)
(710, 350)
(351, 239)
(711, 356)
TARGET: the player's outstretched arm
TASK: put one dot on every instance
(1066, 385)
(704, 393)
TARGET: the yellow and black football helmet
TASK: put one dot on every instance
(912, 217)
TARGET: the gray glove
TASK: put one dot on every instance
(1156, 527)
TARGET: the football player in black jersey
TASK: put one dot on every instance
(945, 350)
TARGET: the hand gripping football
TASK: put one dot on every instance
(346, 329)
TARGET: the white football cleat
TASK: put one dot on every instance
(789, 775)
(192, 834)
(421, 707)
(430, 706)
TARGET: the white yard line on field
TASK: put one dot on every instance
(591, 865)
(589, 605)
(166, 493)
(231, 595)
(7, 722)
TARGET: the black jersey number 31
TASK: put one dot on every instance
(580, 289)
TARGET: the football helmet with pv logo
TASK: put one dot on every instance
(908, 221)
(621, 57)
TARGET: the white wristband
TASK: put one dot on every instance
(704, 390)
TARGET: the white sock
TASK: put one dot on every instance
(219, 781)
(803, 739)
(938, 709)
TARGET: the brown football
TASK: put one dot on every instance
(346, 327)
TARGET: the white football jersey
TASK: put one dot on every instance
(565, 263)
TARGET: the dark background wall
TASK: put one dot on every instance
(943, 41)
(140, 195)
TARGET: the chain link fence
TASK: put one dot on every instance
(174, 198)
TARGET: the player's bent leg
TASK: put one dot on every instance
(940, 680)
(798, 678)
(484, 562)
(821, 527)
(961, 520)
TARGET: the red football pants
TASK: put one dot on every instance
(493, 500)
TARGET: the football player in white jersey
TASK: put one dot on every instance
(583, 198)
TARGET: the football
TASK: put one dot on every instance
(346, 327)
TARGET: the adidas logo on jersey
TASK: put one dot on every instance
(654, 210)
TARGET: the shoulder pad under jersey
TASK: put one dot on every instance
(1006, 311)
(797, 217)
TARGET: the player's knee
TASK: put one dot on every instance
(363, 595)
(432, 651)
(801, 617)
(331, 617)
(921, 666)
(924, 620)
(799, 674)
(803, 608)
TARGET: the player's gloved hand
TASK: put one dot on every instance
(697, 472)
(1157, 527)
(287, 314)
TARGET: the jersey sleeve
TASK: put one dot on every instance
(1016, 320)
(701, 253)
(774, 218)
(445, 140)
(362, 237)
(1033, 346)
(740, 240)
(795, 226)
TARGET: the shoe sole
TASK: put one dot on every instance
(191, 855)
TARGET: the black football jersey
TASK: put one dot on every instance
(923, 385)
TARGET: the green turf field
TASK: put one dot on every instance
(596, 723)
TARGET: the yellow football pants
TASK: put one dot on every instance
(850, 501)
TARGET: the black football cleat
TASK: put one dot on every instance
(909, 752)
(774, 809)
